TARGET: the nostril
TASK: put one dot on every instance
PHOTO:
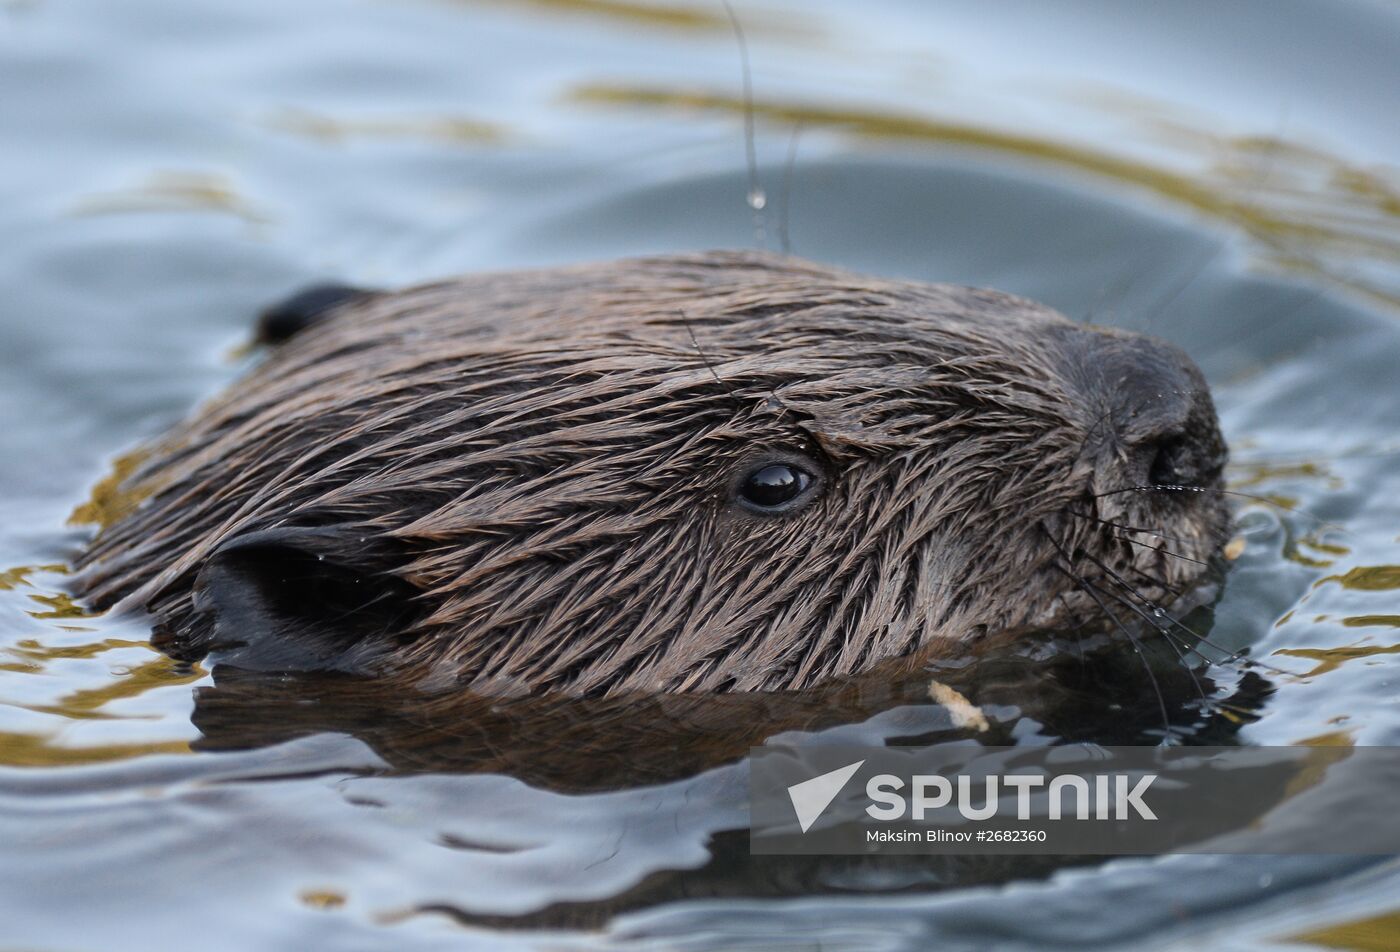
(1168, 467)
(1184, 460)
(1161, 423)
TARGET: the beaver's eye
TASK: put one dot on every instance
(773, 486)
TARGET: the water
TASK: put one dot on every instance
(1222, 176)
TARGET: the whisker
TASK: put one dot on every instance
(1177, 644)
(1168, 487)
(756, 199)
(1094, 429)
(695, 342)
(1182, 284)
(1128, 528)
(1238, 655)
(1157, 612)
(1163, 550)
(1132, 639)
(1154, 580)
(1230, 656)
(1139, 596)
(1137, 648)
(785, 190)
(1166, 634)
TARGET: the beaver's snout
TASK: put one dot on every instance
(1154, 415)
(1153, 505)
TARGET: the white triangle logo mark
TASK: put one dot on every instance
(811, 797)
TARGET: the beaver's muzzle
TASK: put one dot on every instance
(1148, 407)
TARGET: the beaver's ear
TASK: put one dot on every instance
(298, 600)
(312, 305)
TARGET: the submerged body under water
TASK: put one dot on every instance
(1161, 170)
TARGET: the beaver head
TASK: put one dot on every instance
(699, 473)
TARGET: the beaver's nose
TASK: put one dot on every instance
(1155, 409)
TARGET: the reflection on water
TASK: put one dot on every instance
(1247, 475)
(1330, 659)
(666, 15)
(1312, 213)
(1371, 934)
(1369, 621)
(28, 750)
(183, 165)
(114, 495)
(174, 192)
(334, 131)
(11, 579)
(1368, 578)
(1080, 688)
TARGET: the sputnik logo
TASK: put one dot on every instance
(811, 797)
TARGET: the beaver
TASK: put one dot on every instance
(732, 471)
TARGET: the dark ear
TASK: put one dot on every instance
(303, 309)
(299, 600)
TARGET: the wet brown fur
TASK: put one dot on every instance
(547, 460)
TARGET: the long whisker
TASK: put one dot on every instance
(785, 190)
(1230, 656)
(1157, 613)
(695, 342)
(1132, 639)
(1140, 597)
(1164, 632)
(1162, 550)
(1182, 284)
(756, 199)
(1128, 528)
(1167, 487)
(1137, 648)
(1154, 580)
(1114, 576)
(1078, 635)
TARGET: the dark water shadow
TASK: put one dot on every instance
(1030, 688)
(1054, 688)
